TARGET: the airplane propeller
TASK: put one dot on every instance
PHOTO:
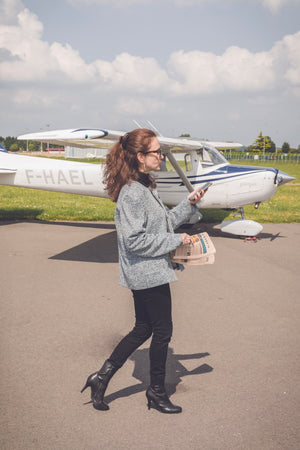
(283, 178)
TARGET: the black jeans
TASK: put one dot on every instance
(153, 317)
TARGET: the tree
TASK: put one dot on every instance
(8, 141)
(263, 144)
(285, 147)
(34, 146)
(31, 146)
(14, 147)
(22, 145)
(272, 147)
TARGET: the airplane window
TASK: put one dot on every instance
(187, 162)
(183, 159)
(163, 166)
(210, 157)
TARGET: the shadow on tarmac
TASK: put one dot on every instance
(175, 371)
(104, 248)
(213, 231)
(101, 249)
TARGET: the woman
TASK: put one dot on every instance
(145, 240)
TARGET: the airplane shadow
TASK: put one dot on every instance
(213, 231)
(104, 248)
(16, 214)
(175, 372)
(101, 249)
(101, 225)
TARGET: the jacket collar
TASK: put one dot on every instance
(144, 178)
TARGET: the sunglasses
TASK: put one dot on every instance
(157, 152)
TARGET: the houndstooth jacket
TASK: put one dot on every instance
(146, 237)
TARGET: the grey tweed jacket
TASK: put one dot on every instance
(146, 237)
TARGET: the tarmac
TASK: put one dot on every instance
(233, 362)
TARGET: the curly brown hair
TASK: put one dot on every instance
(122, 166)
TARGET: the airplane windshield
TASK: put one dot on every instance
(210, 157)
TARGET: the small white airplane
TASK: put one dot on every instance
(192, 163)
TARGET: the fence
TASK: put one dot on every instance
(75, 152)
(291, 158)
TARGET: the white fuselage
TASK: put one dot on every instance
(233, 186)
(52, 175)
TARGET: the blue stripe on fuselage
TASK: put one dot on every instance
(229, 172)
(2, 148)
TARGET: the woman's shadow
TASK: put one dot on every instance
(175, 371)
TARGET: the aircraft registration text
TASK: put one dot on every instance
(59, 177)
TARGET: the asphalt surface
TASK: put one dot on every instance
(233, 363)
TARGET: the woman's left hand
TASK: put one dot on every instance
(196, 195)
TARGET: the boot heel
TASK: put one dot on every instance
(98, 382)
(158, 396)
(84, 388)
(91, 382)
(100, 406)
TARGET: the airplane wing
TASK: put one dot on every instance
(192, 144)
(77, 137)
(7, 171)
(101, 138)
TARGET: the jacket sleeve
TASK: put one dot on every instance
(181, 213)
(132, 217)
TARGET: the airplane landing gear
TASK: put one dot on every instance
(241, 226)
(240, 213)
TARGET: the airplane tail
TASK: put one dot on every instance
(2, 148)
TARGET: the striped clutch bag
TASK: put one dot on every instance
(201, 251)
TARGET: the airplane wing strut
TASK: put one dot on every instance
(179, 170)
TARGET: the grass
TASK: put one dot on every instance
(22, 203)
(28, 204)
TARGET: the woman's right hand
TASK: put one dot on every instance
(186, 238)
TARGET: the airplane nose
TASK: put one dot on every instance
(283, 178)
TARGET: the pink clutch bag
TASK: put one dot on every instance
(201, 251)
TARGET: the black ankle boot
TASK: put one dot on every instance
(157, 396)
(98, 382)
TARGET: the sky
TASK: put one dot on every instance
(216, 69)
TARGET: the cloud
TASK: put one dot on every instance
(236, 70)
(132, 72)
(9, 10)
(43, 83)
(117, 3)
(26, 58)
(26, 52)
(69, 62)
(204, 93)
(290, 47)
(34, 97)
(139, 106)
(273, 5)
